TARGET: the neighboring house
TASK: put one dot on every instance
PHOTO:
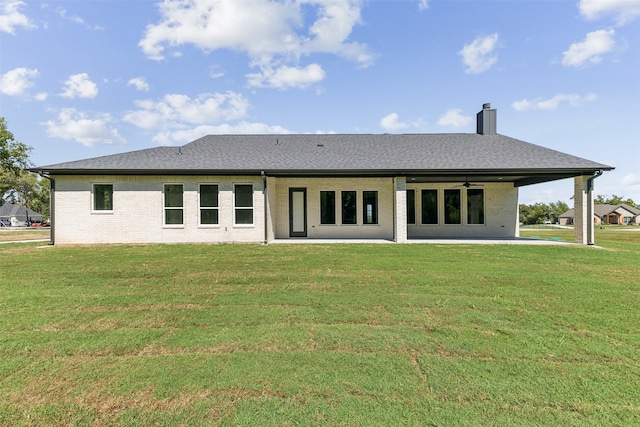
(607, 214)
(18, 215)
(259, 188)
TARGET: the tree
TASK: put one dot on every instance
(614, 200)
(18, 186)
(30, 191)
(14, 158)
(538, 213)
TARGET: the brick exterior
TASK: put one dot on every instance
(315, 230)
(501, 213)
(137, 215)
(583, 211)
(138, 210)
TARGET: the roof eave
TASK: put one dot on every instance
(533, 172)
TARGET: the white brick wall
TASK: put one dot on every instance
(501, 213)
(137, 215)
(583, 211)
(315, 230)
(138, 211)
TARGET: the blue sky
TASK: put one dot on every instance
(81, 79)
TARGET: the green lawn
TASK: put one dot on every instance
(354, 335)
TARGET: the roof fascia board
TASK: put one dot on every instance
(533, 176)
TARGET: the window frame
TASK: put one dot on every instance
(237, 209)
(365, 205)
(354, 206)
(411, 206)
(482, 207)
(433, 210)
(166, 208)
(322, 207)
(94, 208)
(449, 215)
(215, 208)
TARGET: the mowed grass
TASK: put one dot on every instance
(355, 335)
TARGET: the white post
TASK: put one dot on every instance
(583, 211)
(400, 211)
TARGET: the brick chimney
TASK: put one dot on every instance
(486, 120)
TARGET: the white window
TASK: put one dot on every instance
(103, 197)
(243, 204)
(208, 204)
(173, 204)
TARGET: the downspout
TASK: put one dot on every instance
(590, 231)
(52, 206)
(394, 183)
(266, 203)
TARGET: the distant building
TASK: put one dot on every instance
(607, 214)
(13, 213)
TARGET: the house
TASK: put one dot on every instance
(18, 215)
(607, 214)
(261, 188)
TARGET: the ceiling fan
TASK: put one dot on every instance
(467, 184)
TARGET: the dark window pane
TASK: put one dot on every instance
(208, 216)
(173, 216)
(370, 207)
(244, 196)
(349, 207)
(452, 207)
(411, 206)
(103, 197)
(244, 216)
(475, 206)
(327, 207)
(429, 206)
(209, 196)
(173, 196)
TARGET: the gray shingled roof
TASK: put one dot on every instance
(339, 154)
(7, 210)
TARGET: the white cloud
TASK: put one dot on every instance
(17, 81)
(423, 5)
(41, 96)
(215, 72)
(187, 135)
(454, 117)
(176, 111)
(631, 180)
(479, 55)
(79, 86)
(73, 125)
(286, 77)
(392, 122)
(590, 50)
(139, 83)
(277, 38)
(553, 103)
(10, 16)
(333, 26)
(624, 11)
(62, 12)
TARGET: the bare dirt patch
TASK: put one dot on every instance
(16, 234)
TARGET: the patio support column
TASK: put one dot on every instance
(583, 210)
(400, 210)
